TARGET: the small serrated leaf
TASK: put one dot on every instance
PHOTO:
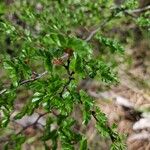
(83, 144)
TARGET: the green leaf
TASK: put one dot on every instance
(81, 47)
(83, 144)
(112, 44)
(22, 113)
(87, 106)
(24, 68)
(143, 21)
(78, 64)
(106, 74)
(37, 97)
(48, 62)
(5, 121)
(6, 116)
(6, 146)
(12, 70)
(55, 40)
(86, 113)
(18, 141)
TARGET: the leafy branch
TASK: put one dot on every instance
(114, 13)
(38, 76)
(87, 39)
(67, 58)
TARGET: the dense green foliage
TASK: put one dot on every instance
(34, 38)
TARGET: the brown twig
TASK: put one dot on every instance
(70, 77)
(101, 25)
(33, 79)
(38, 76)
(140, 9)
(33, 124)
(113, 138)
(7, 139)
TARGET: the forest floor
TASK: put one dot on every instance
(128, 105)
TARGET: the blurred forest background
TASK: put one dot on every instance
(127, 103)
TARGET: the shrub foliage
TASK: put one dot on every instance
(45, 52)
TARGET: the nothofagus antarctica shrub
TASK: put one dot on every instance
(47, 49)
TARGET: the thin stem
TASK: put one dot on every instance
(24, 128)
(67, 67)
(140, 9)
(111, 133)
(33, 124)
(33, 79)
(38, 76)
(101, 25)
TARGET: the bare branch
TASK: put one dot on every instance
(27, 81)
(33, 124)
(101, 25)
(139, 9)
(8, 138)
(33, 79)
